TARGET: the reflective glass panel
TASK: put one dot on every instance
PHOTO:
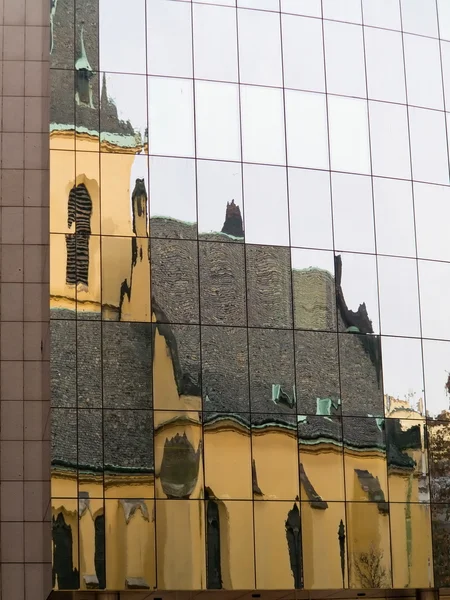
(259, 48)
(171, 119)
(274, 522)
(263, 138)
(394, 217)
(384, 63)
(382, 13)
(342, 10)
(272, 373)
(321, 458)
(357, 294)
(419, 17)
(228, 455)
(215, 48)
(173, 208)
(217, 120)
(219, 197)
(313, 289)
(352, 213)
(225, 383)
(434, 282)
(432, 210)
(264, 189)
(411, 545)
(368, 531)
(310, 209)
(269, 291)
(389, 140)
(428, 146)
(303, 53)
(222, 276)
(403, 378)
(435, 363)
(174, 275)
(398, 317)
(306, 130)
(349, 138)
(423, 72)
(169, 38)
(129, 55)
(311, 8)
(344, 53)
(317, 373)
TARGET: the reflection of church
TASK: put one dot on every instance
(187, 457)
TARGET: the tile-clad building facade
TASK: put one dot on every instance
(25, 510)
(248, 268)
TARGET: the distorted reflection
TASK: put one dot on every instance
(173, 210)
(217, 403)
(369, 549)
(228, 455)
(403, 378)
(313, 289)
(219, 198)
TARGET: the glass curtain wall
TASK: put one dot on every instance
(249, 272)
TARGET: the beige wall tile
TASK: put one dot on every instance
(12, 536)
(13, 42)
(11, 301)
(34, 423)
(36, 303)
(36, 461)
(11, 461)
(38, 581)
(36, 188)
(11, 344)
(37, 542)
(36, 151)
(12, 580)
(13, 108)
(11, 414)
(37, 78)
(37, 42)
(37, 115)
(12, 224)
(13, 78)
(36, 13)
(33, 380)
(36, 258)
(12, 188)
(11, 263)
(14, 12)
(12, 150)
(33, 343)
(11, 381)
(36, 221)
(11, 501)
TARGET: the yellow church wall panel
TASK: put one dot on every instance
(237, 553)
(277, 556)
(368, 545)
(228, 458)
(180, 543)
(324, 548)
(275, 462)
(412, 555)
(116, 187)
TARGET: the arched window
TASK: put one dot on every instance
(99, 557)
(63, 572)
(213, 566)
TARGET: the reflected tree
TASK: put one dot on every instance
(371, 572)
